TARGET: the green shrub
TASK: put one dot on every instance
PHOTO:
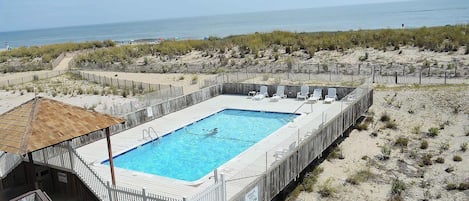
(440, 160)
(464, 146)
(424, 144)
(397, 187)
(433, 132)
(391, 125)
(451, 186)
(463, 186)
(336, 153)
(416, 129)
(311, 178)
(457, 158)
(326, 189)
(385, 152)
(360, 176)
(384, 117)
(426, 160)
(362, 126)
(401, 141)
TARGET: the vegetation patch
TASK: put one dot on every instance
(309, 181)
(426, 160)
(397, 188)
(440, 160)
(463, 147)
(385, 117)
(360, 177)
(326, 189)
(401, 141)
(457, 158)
(433, 132)
(424, 144)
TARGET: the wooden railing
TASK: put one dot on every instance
(216, 192)
(8, 162)
(36, 195)
(64, 157)
(30, 77)
(270, 183)
(57, 60)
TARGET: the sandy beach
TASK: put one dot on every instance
(414, 110)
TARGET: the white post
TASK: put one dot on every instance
(215, 175)
(144, 195)
(223, 187)
(108, 186)
(298, 136)
(266, 167)
(70, 149)
(322, 118)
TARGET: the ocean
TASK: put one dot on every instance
(412, 14)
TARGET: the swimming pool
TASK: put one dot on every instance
(193, 151)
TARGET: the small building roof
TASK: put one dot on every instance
(42, 122)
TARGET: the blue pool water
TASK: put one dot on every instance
(192, 152)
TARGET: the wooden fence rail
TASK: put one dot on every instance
(281, 173)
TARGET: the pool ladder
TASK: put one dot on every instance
(148, 133)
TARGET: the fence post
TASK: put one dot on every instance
(445, 77)
(108, 186)
(215, 175)
(403, 71)
(455, 69)
(70, 155)
(144, 195)
(223, 187)
(373, 73)
(420, 77)
(171, 90)
(359, 65)
(395, 77)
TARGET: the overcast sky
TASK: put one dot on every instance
(36, 14)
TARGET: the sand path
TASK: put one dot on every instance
(64, 63)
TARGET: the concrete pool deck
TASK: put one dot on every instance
(239, 171)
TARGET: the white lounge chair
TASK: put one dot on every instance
(279, 94)
(282, 152)
(317, 94)
(331, 95)
(262, 93)
(354, 95)
(304, 92)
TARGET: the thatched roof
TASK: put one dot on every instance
(43, 122)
